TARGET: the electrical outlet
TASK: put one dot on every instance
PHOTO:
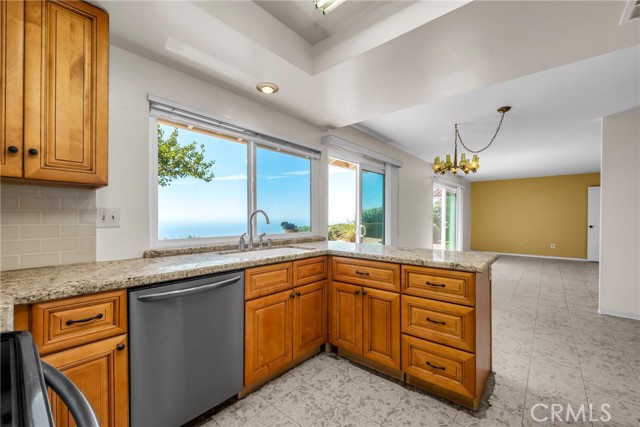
(553, 246)
(108, 218)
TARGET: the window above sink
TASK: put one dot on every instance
(209, 175)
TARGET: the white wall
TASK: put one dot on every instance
(132, 78)
(620, 215)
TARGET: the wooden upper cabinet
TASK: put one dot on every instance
(99, 370)
(381, 327)
(11, 87)
(309, 318)
(66, 92)
(346, 317)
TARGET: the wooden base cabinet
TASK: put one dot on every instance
(285, 325)
(85, 338)
(268, 335)
(99, 370)
(309, 318)
(366, 322)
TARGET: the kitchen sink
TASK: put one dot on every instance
(257, 253)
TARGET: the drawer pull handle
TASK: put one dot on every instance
(88, 319)
(442, 368)
(362, 273)
(439, 285)
(436, 321)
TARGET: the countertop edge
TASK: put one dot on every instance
(88, 286)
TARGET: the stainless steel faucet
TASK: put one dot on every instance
(251, 230)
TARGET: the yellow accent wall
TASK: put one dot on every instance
(525, 216)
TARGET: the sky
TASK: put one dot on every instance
(192, 207)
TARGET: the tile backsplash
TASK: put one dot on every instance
(42, 226)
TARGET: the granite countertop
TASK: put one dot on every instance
(50, 283)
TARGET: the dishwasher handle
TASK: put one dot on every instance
(188, 291)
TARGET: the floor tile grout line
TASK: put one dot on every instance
(573, 334)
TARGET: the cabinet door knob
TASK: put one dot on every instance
(364, 292)
(120, 347)
(357, 292)
(298, 294)
(32, 151)
(292, 296)
(13, 149)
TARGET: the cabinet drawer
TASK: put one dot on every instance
(309, 270)
(443, 366)
(444, 285)
(62, 324)
(260, 281)
(381, 275)
(442, 322)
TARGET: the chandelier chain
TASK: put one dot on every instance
(490, 142)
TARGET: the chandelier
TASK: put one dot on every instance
(465, 164)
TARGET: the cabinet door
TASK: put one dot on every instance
(381, 327)
(268, 342)
(309, 318)
(66, 92)
(346, 317)
(11, 87)
(100, 372)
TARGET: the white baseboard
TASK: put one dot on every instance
(538, 256)
(633, 316)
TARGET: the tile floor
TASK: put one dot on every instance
(550, 347)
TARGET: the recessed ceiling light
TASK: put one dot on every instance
(267, 87)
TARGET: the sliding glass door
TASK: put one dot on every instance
(372, 207)
(445, 218)
(356, 202)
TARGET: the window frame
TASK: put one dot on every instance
(252, 144)
(363, 163)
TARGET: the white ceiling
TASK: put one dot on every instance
(391, 63)
(309, 23)
(554, 126)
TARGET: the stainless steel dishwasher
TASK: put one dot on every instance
(185, 348)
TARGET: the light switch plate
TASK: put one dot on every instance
(108, 218)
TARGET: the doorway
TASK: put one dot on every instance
(356, 202)
(447, 232)
(593, 224)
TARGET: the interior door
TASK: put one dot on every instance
(593, 224)
(371, 207)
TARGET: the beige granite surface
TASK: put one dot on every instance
(50, 283)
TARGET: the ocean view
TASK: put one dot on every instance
(183, 229)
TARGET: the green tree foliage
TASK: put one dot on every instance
(344, 232)
(372, 215)
(181, 161)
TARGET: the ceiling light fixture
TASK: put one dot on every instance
(465, 164)
(267, 87)
(327, 6)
